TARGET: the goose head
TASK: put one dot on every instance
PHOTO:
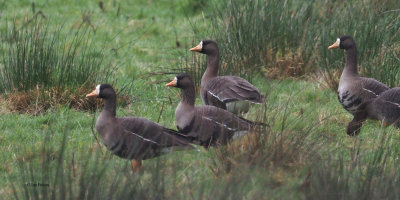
(182, 81)
(343, 42)
(206, 47)
(103, 91)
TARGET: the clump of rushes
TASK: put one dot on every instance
(43, 67)
(283, 147)
(358, 172)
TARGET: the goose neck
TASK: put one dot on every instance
(188, 96)
(212, 66)
(351, 61)
(110, 106)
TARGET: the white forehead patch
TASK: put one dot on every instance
(338, 41)
(201, 44)
(175, 80)
(98, 89)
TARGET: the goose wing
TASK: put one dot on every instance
(372, 88)
(387, 106)
(214, 125)
(232, 88)
(141, 138)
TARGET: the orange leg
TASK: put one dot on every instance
(384, 124)
(136, 165)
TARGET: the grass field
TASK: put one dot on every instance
(303, 154)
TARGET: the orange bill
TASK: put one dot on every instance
(196, 48)
(172, 83)
(92, 94)
(334, 45)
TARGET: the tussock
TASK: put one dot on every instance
(40, 100)
(44, 66)
(287, 66)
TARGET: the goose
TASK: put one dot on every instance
(354, 90)
(227, 92)
(205, 125)
(131, 137)
(385, 108)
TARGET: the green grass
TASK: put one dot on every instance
(304, 154)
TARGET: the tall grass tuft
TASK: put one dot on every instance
(290, 38)
(284, 144)
(50, 65)
(359, 172)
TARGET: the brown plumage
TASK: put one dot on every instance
(385, 108)
(354, 90)
(132, 137)
(224, 91)
(205, 125)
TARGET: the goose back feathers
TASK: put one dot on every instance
(385, 108)
(354, 90)
(213, 126)
(132, 137)
(205, 125)
(222, 90)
